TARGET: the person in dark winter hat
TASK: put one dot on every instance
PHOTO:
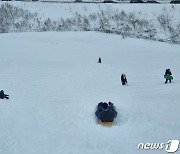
(123, 79)
(168, 76)
(99, 108)
(112, 107)
(99, 60)
(105, 106)
(3, 95)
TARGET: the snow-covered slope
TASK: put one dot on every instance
(55, 82)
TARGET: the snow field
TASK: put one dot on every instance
(55, 83)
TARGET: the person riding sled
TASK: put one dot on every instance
(106, 113)
(99, 109)
(168, 75)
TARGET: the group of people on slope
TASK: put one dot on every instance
(123, 76)
(167, 76)
(106, 112)
(124, 79)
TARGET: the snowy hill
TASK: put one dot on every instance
(55, 83)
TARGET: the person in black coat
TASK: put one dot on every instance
(168, 72)
(99, 60)
(3, 95)
(106, 115)
(99, 109)
(112, 108)
(123, 79)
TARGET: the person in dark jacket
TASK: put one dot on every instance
(168, 72)
(3, 95)
(99, 108)
(106, 115)
(123, 79)
(112, 108)
(99, 60)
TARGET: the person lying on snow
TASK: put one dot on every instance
(105, 112)
(3, 95)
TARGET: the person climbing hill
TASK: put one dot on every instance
(168, 75)
(123, 79)
(99, 60)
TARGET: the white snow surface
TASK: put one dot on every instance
(55, 83)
